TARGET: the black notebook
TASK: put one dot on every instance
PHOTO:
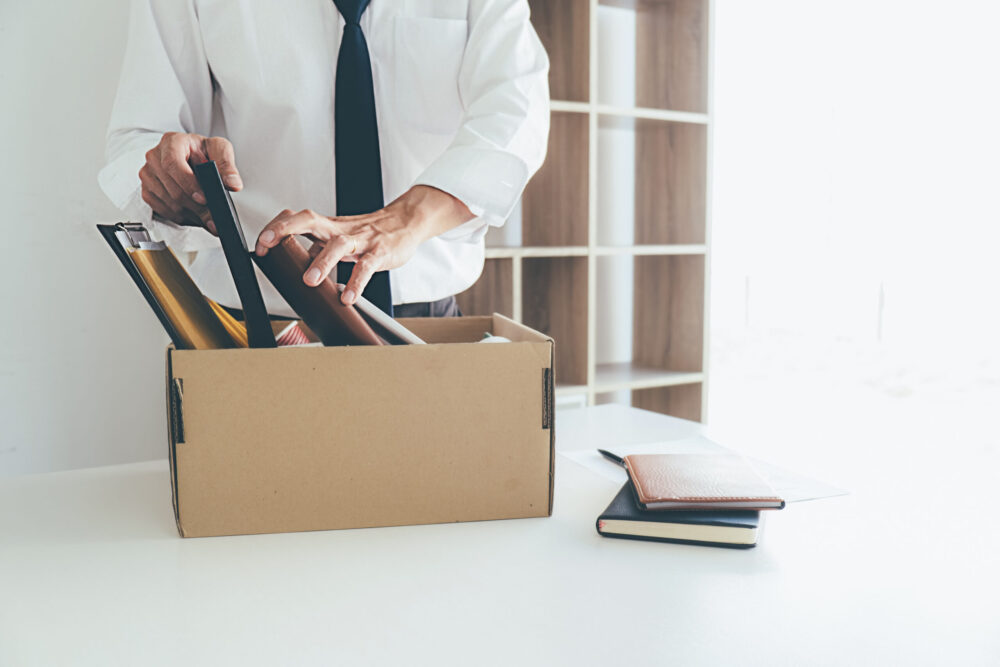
(718, 528)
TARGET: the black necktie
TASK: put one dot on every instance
(358, 163)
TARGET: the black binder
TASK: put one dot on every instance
(234, 245)
(110, 232)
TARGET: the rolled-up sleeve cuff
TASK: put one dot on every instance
(489, 182)
(120, 177)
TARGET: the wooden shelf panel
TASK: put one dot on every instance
(670, 41)
(684, 401)
(570, 106)
(630, 375)
(671, 189)
(669, 313)
(631, 112)
(554, 301)
(563, 26)
(492, 293)
(670, 115)
(554, 204)
(599, 251)
(669, 249)
(536, 251)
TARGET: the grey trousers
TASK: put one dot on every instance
(446, 307)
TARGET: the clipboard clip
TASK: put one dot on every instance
(135, 232)
(134, 236)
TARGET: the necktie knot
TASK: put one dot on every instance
(351, 10)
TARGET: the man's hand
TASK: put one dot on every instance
(385, 239)
(169, 185)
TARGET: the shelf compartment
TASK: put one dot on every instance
(684, 401)
(653, 181)
(563, 26)
(493, 292)
(554, 301)
(657, 54)
(652, 338)
(673, 249)
(669, 313)
(554, 204)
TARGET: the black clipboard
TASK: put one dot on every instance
(234, 245)
(110, 234)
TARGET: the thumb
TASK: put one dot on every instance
(221, 151)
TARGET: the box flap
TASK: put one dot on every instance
(449, 329)
(517, 332)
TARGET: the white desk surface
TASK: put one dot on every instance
(92, 572)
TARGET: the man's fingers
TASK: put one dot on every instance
(363, 272)
(326, 261)
(165, 204)
(174, 189)
(174, 192)
(220, 150)
(207, 222)
(161, 208)
(286, 224)
(182, 202)
(175, 151)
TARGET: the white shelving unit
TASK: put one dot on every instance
(609, 252)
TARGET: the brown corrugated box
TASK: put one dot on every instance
(316, 438)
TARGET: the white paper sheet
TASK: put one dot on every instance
(791, 486)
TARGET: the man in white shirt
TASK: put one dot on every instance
(461, 101)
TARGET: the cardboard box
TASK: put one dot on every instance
(316, 438)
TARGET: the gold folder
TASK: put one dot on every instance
(192, 320)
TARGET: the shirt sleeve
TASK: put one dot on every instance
(165, 86)
(503, 84)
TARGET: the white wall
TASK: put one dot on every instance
(81, 355)
(856, 152)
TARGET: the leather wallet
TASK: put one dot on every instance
(698, 481)
(319, 307)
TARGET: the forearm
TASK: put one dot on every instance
(430, 212)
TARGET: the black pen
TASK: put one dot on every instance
(611, 457)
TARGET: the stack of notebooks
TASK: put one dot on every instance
(706, 499)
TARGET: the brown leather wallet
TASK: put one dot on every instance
(319, 307)
(699, 481)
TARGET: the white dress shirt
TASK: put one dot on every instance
(461, 95)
